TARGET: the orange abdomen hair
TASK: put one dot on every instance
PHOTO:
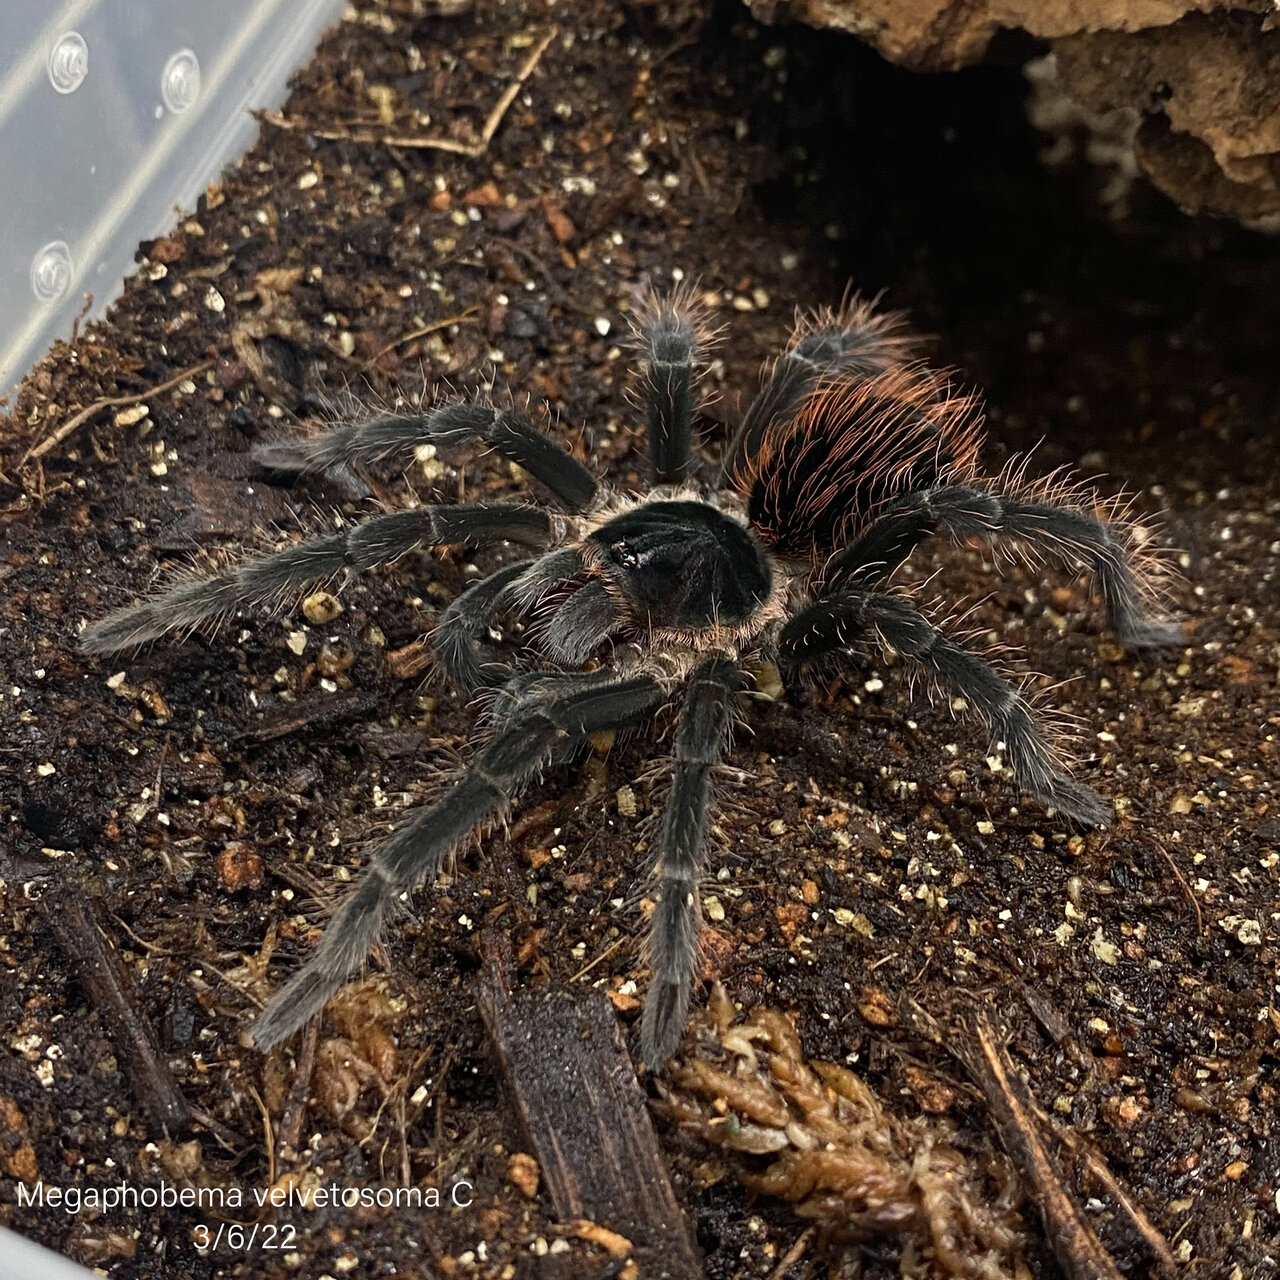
(846, 422)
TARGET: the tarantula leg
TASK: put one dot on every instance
(1068, 533)
(882, 547)
(669, 341)
(457, 651)
(510, 434)
(854, 343)
(568, 636)
(836, 623)
(582, 623)
(702, 736)
(548, 715)
(544, 575)
(362, 546)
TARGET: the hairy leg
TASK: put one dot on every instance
(547, 715)
(1070, 534)
(701, 738)
(669, 345)
(510, 434)
(835, 624)
(568, 635)
(854, 343)
(582, 623)
(458, 650)
(362, 546)
(544, 575)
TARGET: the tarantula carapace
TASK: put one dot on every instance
(852, 455)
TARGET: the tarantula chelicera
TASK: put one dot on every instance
(852, 455)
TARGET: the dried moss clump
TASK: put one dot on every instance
(813, 1133)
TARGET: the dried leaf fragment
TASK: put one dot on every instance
(877, 1008)
(615, 1245)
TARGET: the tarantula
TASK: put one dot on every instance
(852, 455)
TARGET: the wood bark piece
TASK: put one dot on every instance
(585, 1118)
(110, 990)
(1188, 89)
(943, 35)
(314, 713)
(1013, 1111)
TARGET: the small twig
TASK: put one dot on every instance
(1013, 1112)
(268, 1139)
(473, 150)
(292, 1114)
(50, 443)
(312, 713)
(393, 1097)
(406, 1169)
(150, 948)
(1046, 1013)
(1181, 879)
(463, 317)
(436, 1175)
(438, 1098)
(503, 103)
(97, 963)
(158, 797)
(700, 174)
(604, 955)
(794, 1254)
(1099, 1168)
(227, 1139)
(239, 988)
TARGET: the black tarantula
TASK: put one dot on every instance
(852, 455)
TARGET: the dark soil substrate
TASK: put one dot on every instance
(201, 801)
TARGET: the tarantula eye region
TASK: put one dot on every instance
(622, 554)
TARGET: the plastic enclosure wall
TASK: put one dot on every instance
(113, 112)
(20, 1259)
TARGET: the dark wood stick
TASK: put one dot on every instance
(1098, 1168)
(312, 713)
(294, 1112)
(75, 925)
(1013, 1111)
(583, 1113)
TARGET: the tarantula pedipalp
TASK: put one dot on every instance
(852, 455)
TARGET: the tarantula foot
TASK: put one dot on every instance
(351, 933)
(290, 457)
(125, 629)
(1076, 801)
(1152, 633)
(289, 1010)
(666, 1010)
